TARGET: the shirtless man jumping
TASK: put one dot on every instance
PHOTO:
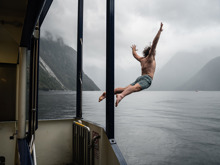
(148, 66)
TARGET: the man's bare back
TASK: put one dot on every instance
(148, 66)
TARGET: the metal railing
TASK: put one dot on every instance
(81, 144)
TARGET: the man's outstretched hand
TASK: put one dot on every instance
(161, 26)
(133, 48)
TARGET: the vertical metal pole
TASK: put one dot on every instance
(17, 89)
(22, 93)
(79, 60)
(37, 36)
(33, 88)
(31, 75)
(110, 70)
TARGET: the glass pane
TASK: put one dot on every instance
(57, 69)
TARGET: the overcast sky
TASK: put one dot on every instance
(189, 26)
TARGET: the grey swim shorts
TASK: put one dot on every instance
(144, 81)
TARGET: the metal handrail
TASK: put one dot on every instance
(82, 125)
(81, 144)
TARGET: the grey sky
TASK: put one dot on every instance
(188, 25)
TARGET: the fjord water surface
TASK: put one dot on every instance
(151, 128)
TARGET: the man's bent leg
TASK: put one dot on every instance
(103, 96)
(116, 91)
(130, 89)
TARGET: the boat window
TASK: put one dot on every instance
(57, 63)
(7, 92)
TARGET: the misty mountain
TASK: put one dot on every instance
(58, 64)
(207, 79)
(181, 68)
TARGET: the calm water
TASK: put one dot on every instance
(152, 128)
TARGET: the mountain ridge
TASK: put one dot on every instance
(181, 68)
(57, 70)
(207, 79)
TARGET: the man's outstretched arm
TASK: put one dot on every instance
(155, 41)
(135, 53)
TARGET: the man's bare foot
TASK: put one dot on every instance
(119, 98)
(103, 96)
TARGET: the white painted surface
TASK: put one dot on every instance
(22, 93)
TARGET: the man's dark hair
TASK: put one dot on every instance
(146, 51)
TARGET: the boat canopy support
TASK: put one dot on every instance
(110, 48)
(34, 80)
(79, 60)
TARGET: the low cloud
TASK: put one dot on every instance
(188, 25)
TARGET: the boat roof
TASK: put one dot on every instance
(17, 22)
